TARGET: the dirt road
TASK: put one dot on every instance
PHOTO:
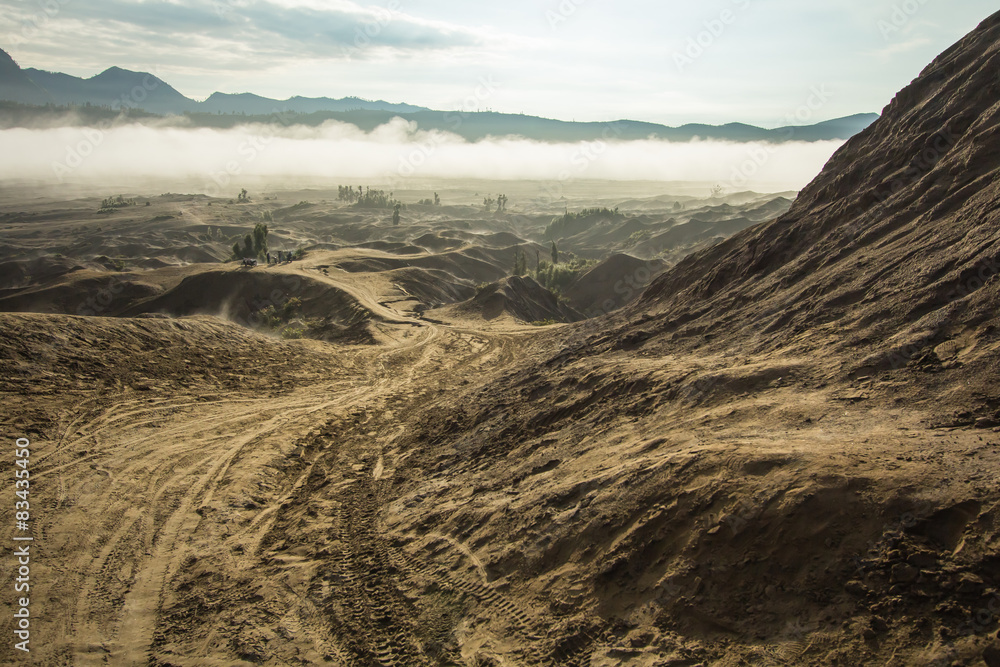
(142, 495)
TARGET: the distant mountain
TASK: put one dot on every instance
(117, 88)
(475, 126)
(256, 105)
(114, 87)
(16, 85)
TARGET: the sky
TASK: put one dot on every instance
(764, 62)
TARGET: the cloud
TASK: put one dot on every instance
(261, 31)
(216, 161)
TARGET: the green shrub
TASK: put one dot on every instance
(573, 223)
(558, 277)
(111, 203)
(291, 308)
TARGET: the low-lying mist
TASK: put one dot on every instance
(132, 153)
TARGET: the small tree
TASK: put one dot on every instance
(291, 308)
(555, 253)
(488, 203)
(520, 262)
(437, 199)
(259, 240)
(395, 215)
(242, 198)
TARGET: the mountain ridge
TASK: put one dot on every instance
(120, 88)
(18, 84)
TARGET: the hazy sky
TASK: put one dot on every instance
(714, 61)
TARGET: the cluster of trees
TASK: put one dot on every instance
(254, 244)
(640, 236)
(571, 223)
(347, 193)
(272, 317)
(243, 197)
(282, 319)
(431, 202)
(366, 197)
(500, 202)
(557, 277)
(521, 260)
(554, 275)
(116, 202)
(377, 199)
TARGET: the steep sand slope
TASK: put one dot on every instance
(895, 244)
(770, 452)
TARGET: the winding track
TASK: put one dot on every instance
(163, 481)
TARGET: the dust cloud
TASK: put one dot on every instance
(216, 158)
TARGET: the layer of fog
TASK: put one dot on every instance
(218, 159)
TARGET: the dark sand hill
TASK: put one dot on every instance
(612, 284)
(521, 298)
(821, 387)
